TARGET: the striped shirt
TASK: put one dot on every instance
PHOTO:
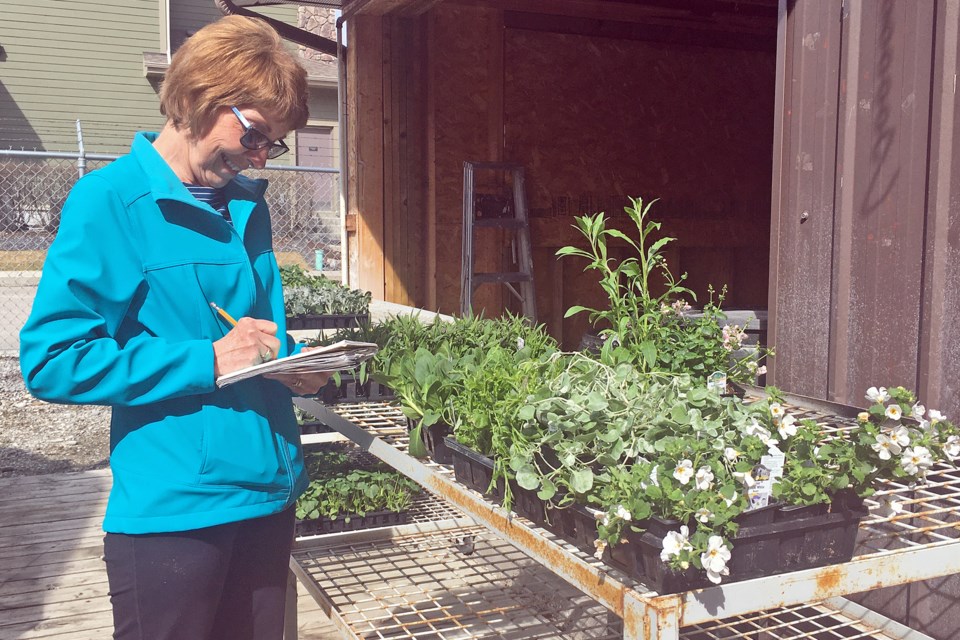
(211, 196)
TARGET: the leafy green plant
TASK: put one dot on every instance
(634, 445)
(653, 331)
(895, 439)
(425, 364)
(306, 294)
(355, 492)
(423, 382)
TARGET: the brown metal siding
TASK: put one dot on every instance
(852, 251)
(803, 220)
(940, 337)
(882, 164)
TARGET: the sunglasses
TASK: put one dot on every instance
(254, 139)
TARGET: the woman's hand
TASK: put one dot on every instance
(302, 384)
(249, 343)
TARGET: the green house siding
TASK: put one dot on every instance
(69, 61)
(186, 16)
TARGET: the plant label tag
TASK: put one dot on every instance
(765, 474)
(717, 382)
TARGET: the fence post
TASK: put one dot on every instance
(81, 157)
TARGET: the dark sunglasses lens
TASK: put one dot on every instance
(253, 139)
(277, 149)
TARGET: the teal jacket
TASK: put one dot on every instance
(122, 317)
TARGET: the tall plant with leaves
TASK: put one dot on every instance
(424, 382)
(651, 330)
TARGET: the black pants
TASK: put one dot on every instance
(220, 583)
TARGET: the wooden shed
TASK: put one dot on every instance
(801, 150)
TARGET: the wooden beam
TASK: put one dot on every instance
(394, 228)
(384, 7)
(368, 125)
(430, 153)
(638, 11)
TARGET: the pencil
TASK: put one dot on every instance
(226, 316)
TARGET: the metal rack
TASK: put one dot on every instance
(910, 534)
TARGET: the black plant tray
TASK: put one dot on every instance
(434, 439)
(314, 426)
(475, 471)
(332, 321)
(351, 389)
(771, 540)
(372, 520)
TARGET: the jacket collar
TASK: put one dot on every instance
(242, 193)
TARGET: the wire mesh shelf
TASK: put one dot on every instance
(464, 583)
(425, 586)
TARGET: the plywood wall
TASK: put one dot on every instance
(597, 120)
(593, 120)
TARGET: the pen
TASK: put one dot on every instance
(223, 313)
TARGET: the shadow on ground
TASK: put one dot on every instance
(19, 462)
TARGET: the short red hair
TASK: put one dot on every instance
(234, 62)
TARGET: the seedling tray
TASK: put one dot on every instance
(351, 389)
(775, 539)
(434, 439)
(475, 471)
(771, 540)
(353, 522)
(331, 321)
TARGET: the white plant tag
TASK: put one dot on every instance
(766, 474)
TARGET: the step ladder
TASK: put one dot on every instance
(504, 210)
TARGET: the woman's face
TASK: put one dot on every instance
(216, 158)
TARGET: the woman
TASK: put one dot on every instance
(200, 520)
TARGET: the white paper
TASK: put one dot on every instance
(340, 356)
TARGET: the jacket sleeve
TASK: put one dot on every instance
(69, 347)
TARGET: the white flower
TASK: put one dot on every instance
(654, 479)
(731, 454)
(729, 501)
(863, 416)
(715, 559)
(755, 429)
(901, 436)
(680, 306)
(787, 426)
(877, 395)
(916, 460)
(746, 478)
(952, 447)
(622, 513)
(704, 478)
(935, 416)
(601, 545)
(704, 515)
(776, 410)
(894, 412)
(889, 505)
(917, 411)
(684, 471)
(761, 370)
(675, 542)
(520, 343)
(885, 447)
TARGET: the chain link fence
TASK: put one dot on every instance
(304, 205)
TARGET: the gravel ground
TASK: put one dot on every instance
(37, 437)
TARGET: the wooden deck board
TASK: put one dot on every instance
(53, 584)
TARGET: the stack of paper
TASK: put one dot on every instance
(339, 356)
